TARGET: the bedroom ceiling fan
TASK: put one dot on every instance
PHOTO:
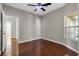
(40, 6)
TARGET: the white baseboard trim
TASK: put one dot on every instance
(51, 41)
(28, 40)
(61, 44)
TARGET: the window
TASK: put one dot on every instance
(71, 27)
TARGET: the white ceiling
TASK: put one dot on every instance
(23, 6)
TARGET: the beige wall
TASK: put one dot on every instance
(53, 24)
(27, 29)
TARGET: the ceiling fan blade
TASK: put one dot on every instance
(35, 10)
(43, 9)
(31, 5)
(46, 4)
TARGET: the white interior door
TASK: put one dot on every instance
(4, 31)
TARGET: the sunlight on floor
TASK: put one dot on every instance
(8, 37)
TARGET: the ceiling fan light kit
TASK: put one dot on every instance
(39, 6)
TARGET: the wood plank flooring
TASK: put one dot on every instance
(14, 47)
(13, 51)
(30, 48)
(42, 47)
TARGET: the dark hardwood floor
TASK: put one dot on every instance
(30, 48)
(42, 47)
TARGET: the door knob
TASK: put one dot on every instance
(4, 33)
